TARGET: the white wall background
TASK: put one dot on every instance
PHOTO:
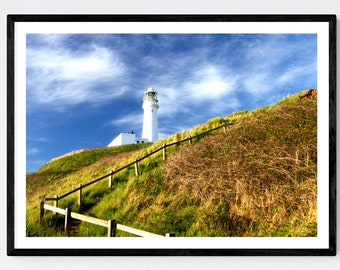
(148, 7)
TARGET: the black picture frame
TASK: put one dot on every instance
(13, 250)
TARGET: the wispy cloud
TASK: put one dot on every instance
(210, 82)
(134, 119)
(273, 63)
(57, 77)
(37, 139)
(32, 151)
(293, 73)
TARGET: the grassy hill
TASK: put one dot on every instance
(259, 178)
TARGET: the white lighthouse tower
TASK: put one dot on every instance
(150, 121)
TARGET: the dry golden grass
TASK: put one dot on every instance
(262, 171)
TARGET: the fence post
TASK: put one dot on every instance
(79, 194)
(136, 168)
(110, 179)
(111, 228)
(67, 218)
(190, 140)
(164, 151)
(55, 203)
(224, 128)
(42, 210)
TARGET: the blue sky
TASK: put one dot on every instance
(82, 90)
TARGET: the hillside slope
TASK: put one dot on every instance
(259, 178)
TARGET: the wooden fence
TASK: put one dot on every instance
(111, 225)
(110, 175)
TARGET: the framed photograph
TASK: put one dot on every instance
(171, 135)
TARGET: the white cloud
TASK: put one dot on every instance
(32, 151)
(258, 83)
(294, 72)
(37, 139)
(56, 77)
(133, 120)
(205, 84)
(210, 83)
(274, 62)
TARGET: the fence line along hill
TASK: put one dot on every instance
(255, 177)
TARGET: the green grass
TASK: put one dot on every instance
(256, 179)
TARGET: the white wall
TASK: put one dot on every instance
(150, 124)
(144, 7)
(123, 138)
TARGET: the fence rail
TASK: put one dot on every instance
(111, 225)
(56, 198)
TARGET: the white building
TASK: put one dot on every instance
(127, 138)
(150, 122)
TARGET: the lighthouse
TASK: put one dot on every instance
(150, 121)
